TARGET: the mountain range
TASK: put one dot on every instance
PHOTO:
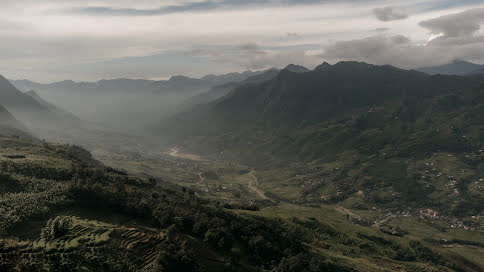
(348, 167)
(286, 99)
(34, 113)
(127, 104)
(380, 124)
(457, 67)
(177, 83)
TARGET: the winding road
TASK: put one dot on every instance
(253, 183)
(202, 179)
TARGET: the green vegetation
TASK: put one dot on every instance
(62, 210)
(303, 172)
(389, 138)
(397, 150)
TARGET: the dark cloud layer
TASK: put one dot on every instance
(389, 14)
(456, 25)
(193, 7)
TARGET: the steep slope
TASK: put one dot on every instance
(219, 91)
(457, 67)
(69, 117)
(5, 117)
(13, 98)
(35, 115)
(292, 98)
(380, 125)
(10, 126)
(126, 103)
(63, 211)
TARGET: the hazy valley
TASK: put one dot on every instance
(352, 155)
(275, 136)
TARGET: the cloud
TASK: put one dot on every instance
(400, 39)
(184, 7)
(381, 29)
(389, 14)
(454, 36)
(401, 52)
(251, 46)
(9, 25)
(460, 24)
(225, 35)
(253, 56)
(251, 50)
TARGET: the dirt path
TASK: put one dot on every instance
(174, 152)
(202, 179)
(253, 183)
(345, 211)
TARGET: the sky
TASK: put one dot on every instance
(82, 40)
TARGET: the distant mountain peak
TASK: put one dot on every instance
(296, 68)
(323, 67)
(346, 66)
(353, 64)
(180, 78)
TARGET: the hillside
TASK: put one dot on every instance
(69, 117)
(33, 112)
(219, 91)
(127, 104)
(62, 210)
(354, 133)
(9, 126)
(13, 98)
(6, 118)
(292, 98)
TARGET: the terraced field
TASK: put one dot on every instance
(90, 236)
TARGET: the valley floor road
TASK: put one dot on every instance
(254, 183)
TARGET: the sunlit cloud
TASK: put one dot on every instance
(49, 40)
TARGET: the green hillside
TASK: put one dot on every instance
(63, 211)
(354, 133)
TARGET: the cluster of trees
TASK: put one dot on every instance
(56, 227)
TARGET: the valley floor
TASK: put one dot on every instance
(270, 193)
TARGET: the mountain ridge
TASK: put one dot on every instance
(357, 115)
(27, 85)
(457, 67)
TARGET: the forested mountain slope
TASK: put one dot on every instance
(221, 90)
(397, 138)
(60, 210)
